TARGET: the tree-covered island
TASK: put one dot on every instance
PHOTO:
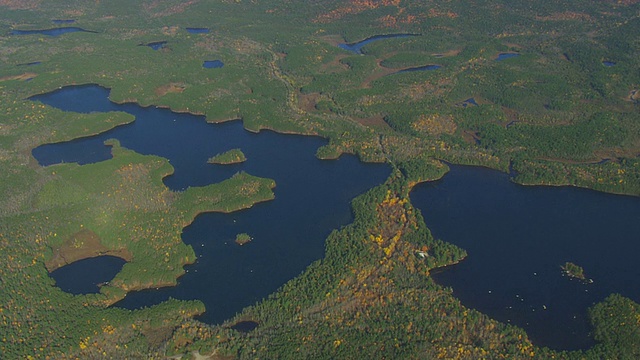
(233, 156)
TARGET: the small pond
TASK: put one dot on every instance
(156, 45)
(195, 30)
(86, 276)
(470, 101)
(517, 238)
(312, 197)
(50, 32)
(504, 56)
(357, 46)
(419, 68)
(212, 64)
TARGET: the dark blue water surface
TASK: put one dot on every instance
(156, 45)
(85, 276)
(197, 30)
(312, 197)
(49, 32)
(518, 237)
(504, 56)
(420, 68)
(469, 101)
(357, 46)
(608, 63)
(212, 64)
(245, 326)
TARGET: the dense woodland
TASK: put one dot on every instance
(565, 111)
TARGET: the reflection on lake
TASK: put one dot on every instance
(357, 46)
(518, 237)
(85, 276)
(311, 197)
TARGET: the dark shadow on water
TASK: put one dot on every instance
(517, 238)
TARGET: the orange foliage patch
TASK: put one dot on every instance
(567, 15)
(354, 7)
(170, 88)
(175, 9)
(20, 4)
(434, 124)
(440, 13)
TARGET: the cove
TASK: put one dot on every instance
(85, 276)
(517, 238)
(50, 32)
(312, 197)
(356, 47)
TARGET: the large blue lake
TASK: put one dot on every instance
(312, 197)
(517, 238)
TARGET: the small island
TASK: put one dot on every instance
(574, 271)
(233, 156)
(243, 238)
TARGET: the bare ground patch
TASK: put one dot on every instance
(449, 53)
(82, 245)
(170, 88)
(376, 122)
(22, 77)
(307, 102)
